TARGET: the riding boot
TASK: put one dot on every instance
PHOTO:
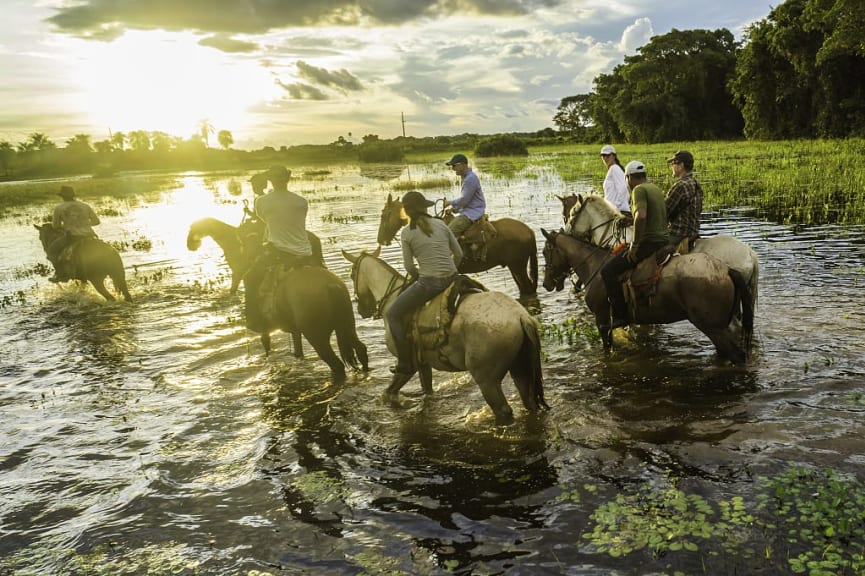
(618, 308)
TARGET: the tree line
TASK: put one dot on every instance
(798, 73)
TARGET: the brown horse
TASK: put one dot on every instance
(697, 287)
(241, 245)
(313, 302)
(513, 247)
(92, 261)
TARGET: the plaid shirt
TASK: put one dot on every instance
(684, 206)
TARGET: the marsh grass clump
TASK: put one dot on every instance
(427, 184)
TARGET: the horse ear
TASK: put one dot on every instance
(389, 197)
(545, 233)
(349, 257)
(377, 251)
(561, 198)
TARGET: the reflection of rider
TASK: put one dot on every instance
(471, 204)
(75, 219)
(650, 234)
(435, 248)
(285, 239)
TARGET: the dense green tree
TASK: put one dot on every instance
(139, 140)
(118, 141)
(7, 155)
(798, 72)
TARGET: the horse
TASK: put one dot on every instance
(513, 247)
(241, 245)
(697, 287)
(491, 335)
(311, 301)
(92, 261)
(597, 220)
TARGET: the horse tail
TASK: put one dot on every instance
(745, 298)
(526, 367)
(351, 349)
(533, 268)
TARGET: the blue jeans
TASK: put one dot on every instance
(399, 315)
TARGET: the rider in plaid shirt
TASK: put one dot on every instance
(684, 202)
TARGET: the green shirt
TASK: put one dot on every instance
(648, 199)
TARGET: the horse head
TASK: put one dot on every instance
(568, 203)
(392, 220)
(47, 233)
(366, 302)
(557, 267)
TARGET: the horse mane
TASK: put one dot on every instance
(603, 205)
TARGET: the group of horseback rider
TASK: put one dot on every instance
(661, 224)
(431, 250)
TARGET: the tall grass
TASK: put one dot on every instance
(793, 181)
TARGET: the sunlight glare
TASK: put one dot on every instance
(166, 81)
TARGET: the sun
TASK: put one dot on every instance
(164, 81)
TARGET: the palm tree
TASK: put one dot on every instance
(118, 140)
(205, 129)
(139, 140)
(7, 153)
(39, 141)
(79, 143)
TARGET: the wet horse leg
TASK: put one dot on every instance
(521, 277)
(297, 342)
(99, 284)
(489, 380)
(321, 344)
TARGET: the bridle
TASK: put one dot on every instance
(394, 286)
(588, 233)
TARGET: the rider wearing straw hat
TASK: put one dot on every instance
(75, 219)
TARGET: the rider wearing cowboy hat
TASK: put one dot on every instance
(75, 219)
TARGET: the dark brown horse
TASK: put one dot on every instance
(313, 302)
(513, 247)
(697, 287)
(92, 261)
(241, 245)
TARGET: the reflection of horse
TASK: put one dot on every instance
(696, 287)
(313, 302)
(513, 247)
(593, 218)
(240, 244)
(92, 261)
(491, 335)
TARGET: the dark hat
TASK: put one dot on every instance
(278, 172)
(457, 159)
(684, 157)
(416, 201)
(66, 192)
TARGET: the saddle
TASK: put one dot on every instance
(474, 240)
(430, 325)
(276, 274)
(66, 258)
(641, 283)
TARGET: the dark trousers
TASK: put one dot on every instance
(615, 268)
(399, 315)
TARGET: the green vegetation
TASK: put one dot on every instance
(792, 77)
(504, 145)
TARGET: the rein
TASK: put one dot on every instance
(586, 259)
(394, 286)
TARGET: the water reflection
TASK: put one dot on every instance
(158, 432)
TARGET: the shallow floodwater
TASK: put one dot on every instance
(156, 438)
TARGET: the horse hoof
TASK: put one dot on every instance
(391, 399)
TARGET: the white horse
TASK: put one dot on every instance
(594, 219)
(491, 335)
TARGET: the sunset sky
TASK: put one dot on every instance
(290, 72)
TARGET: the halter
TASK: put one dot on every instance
(570, 266)
(588, 233)
(393, 287)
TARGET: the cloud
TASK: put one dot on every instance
(636, 35)
(342, 79)
(300, 91)
(85, 17)
(228, 44)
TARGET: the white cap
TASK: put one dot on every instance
(635, 167)
(608, 150)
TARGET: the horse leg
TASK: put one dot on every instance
(425, 375)
(522, 279)
(100, 287)
(321, 344)
(489, 380)
(297, 340)
(727, 344)
(265, 341)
